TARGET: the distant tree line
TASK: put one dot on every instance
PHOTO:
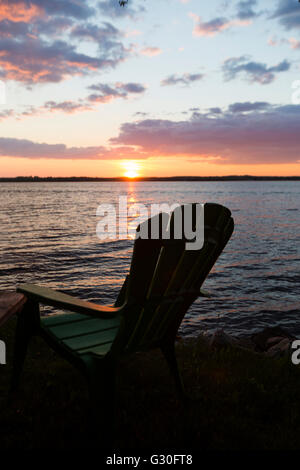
(57, 179)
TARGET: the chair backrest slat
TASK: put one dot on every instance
(162, 274)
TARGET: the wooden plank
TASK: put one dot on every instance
(167, 262)
(122, 293)
(91, 340)
(79, 328)
(97, 350)
(192, 270)
(10, 304)
(63, 318)
(57, 299)
(144, 259)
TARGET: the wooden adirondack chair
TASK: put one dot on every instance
(164, 280)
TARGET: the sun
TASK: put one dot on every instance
(131, 169)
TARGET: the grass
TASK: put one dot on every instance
(239, 401)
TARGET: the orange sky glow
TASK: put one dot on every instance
(11, 167)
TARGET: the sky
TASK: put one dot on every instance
(154, 88)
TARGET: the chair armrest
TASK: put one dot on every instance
(47, 296)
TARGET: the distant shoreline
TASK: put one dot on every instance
(80, 179)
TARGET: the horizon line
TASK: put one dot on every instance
(144, 178)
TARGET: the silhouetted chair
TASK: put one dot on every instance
(164, 280)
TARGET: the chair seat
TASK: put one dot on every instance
(82, 334)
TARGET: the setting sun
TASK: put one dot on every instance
(131, 169)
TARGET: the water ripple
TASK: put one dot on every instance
(48, 236)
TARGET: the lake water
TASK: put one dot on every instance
(48, 236)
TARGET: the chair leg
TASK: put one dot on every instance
(168, 350)
(26, 327)
(102, 391)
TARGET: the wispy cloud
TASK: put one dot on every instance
(141, 113)
(106, 93)
(68, 107)
(209, 28)
(247, 106)
(214, 26)
(23, 148)
(103, 93)
(255, 72)
(292, 42)
(185, 79)
(151, 51)
(6, 114)
(273, 41)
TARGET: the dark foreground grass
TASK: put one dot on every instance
(240, 401)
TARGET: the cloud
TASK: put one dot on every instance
(209, 28)
(245, 133)
(68, 107)
(96, 33)
(33, 61)
(19, 10)
(273, 41)
(106, 93)
(9, 28)
(107, 37)
(25, 10)
(214, 110)
(23, 148)
(133, 87)
(247, 106)
(245, 10)
(6, 114)
(74, 8)
(185, 79)
(141, 113)
(254, 71)
(151, 51)
(288, 14)
(294, 43)
(43, 46)
(44, 26)
(53, 26)
(263, 134)
(214, 26)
